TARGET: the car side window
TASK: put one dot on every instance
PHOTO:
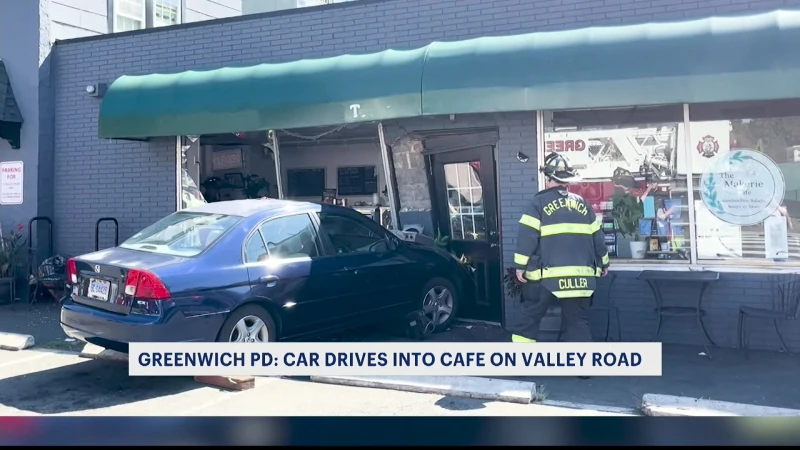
(255, 249)
(347, 235)
(289, 237)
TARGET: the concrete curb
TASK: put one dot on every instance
(671, 406)
(15, 342)
(590, 407)
(91, 351)
(471, 387)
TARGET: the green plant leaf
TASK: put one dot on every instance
(626, 211)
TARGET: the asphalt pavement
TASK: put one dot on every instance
(34, 382)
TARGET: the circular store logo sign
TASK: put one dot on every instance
(743, 187)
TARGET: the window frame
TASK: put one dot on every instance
(113, 10)
(148, 15)
(257, 229)
(151, 13)
(694, 263)
(372, 226)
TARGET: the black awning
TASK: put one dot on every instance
(10, 117)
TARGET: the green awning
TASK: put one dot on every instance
(710, 60)
(10, 116)
(331, 91)
(719, 59)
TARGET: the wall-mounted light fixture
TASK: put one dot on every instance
(96, 90)
(522, 157)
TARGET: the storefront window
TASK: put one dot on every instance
(746, 166)
(634, 176)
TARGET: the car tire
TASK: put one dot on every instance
(248, 315)
(438, 296)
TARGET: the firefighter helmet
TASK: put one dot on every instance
(557, 168)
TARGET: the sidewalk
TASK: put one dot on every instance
(42, 321)
(765, 378)
(43, 382)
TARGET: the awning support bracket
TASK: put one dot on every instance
(276, 154)
(388, 176)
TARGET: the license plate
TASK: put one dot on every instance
(99, 289)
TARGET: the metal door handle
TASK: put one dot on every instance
(269, 280)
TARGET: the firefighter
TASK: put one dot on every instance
(560, 253)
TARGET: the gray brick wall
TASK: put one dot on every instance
(93, 178)
(410, 173)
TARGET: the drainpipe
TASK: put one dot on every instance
(388, 176)
(276, 153)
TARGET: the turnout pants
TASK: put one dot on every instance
(533, 307)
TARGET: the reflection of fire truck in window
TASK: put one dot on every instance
(597, 153)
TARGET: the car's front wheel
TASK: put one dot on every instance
(250, 323)
(439, 303)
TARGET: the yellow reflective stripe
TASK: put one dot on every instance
(522, 260)
(568, 271)
(532, 222)
(573, 294)
(533, 275)
(604, 260)
(598, 272)
(597, 225)
(567, 228)
(516, 338)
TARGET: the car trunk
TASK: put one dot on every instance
(102, 276)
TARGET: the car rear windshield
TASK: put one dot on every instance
(182, 234)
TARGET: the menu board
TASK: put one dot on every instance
(305, 182)
(362, 180)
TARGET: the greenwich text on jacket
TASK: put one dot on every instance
(561, 244)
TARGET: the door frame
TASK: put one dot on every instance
(480, 136)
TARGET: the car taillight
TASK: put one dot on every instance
(72, 272)
(143, 285)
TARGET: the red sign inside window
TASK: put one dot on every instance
(566, 145)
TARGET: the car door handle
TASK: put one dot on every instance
(269, 280)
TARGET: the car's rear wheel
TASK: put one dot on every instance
(439, 303)
(250, 323)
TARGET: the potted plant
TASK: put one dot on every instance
(11, 245)
(513, 286)
(254, 185)
(626, 211)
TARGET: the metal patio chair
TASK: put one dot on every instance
(611, 309)
(786, 307)
(51, 277)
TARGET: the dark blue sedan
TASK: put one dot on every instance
(257, 271)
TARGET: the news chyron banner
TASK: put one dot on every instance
(395, 359)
